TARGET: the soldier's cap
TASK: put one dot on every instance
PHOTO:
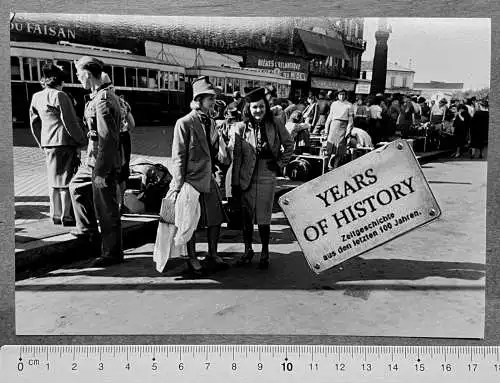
(88, 62)
(255, 95)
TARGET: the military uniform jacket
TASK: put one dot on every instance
(103, 119)
(244, 149)
(53, 119)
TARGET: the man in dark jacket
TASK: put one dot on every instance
(94, 187)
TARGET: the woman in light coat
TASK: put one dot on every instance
(257, 161)
(59, 132)
(195, 151)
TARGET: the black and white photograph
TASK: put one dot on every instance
(250, 175)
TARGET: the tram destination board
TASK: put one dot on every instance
(359, 206)
(249, 363)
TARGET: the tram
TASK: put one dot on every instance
(154, 89)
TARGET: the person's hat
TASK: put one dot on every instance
(321, 94)
(483, 102)
(421, 100)
(443, 101)
(379, 95)
(202, 86)
(256, 94)
(237, 94)
(232, 113)
(88, 62)
(271, 90)
(342, 91)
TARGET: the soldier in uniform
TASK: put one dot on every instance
(94, 187)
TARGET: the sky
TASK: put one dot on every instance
(450, 50)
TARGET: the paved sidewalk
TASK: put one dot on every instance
(36, 236)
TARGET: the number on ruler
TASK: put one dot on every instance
(74, 366)
(497, 367)
(20, 366)
(447, 367)
(260, 366)
(181, 366)
(472, 367)
(127, 366)
(340, 366)
(207, 365)
(393, 367)
(101, 366)
(314, 366)
(287, 366)
(234, 367)
(419, 367)
(367, 367)
(154, 366)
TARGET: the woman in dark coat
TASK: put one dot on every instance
(257, 160)
(59, 132)
(195, 152)
(460, 128)
(479, 129)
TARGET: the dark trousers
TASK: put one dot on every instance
(91, 204)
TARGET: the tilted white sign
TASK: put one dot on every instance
(360, 205)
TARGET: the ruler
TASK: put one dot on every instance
(249, 363)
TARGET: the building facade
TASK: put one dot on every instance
(436, 90)
(399, 79)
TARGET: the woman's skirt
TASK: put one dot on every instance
(212, 212)
(257, 201)
(61, 165)
(336, 135)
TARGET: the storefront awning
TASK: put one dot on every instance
(322, 45)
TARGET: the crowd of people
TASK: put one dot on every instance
(220, 150)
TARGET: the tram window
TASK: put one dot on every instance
(15, 68)
(75, 76)
(163, 80)
(142, 74)
(118, 76)
(153, 79)
(182, 85)
(66, 67)
(229, 85)
(176, 80)
(131, 77)
(171, 83)
(212, 80)
(107, 69)
(237, 85)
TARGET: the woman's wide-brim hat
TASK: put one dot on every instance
(256, 94)
(443, 101)
(202, 86)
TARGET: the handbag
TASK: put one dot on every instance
(167, 211)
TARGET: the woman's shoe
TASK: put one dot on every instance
(264, 261)
(57, 221)
(246, 258)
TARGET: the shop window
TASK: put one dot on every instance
(404, 82)
(15, 68)
(237, 85)
(131, 77)
(30, 68)
(182, 84)
(118, 76)
(152, 79)
(393, 81)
